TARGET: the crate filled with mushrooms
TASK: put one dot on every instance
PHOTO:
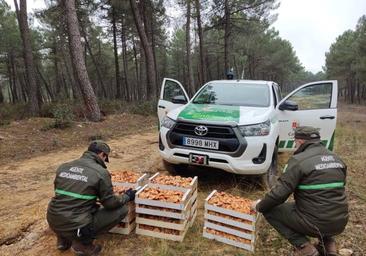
(122, 181)
(163, 213)
(229, 219)
(180, 184)
(128, 179)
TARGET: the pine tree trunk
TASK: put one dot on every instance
(137, 83)
(96, 66)
(76, 49)
(1, 95)
(12, 88)
(124, 57)
(203, 67)
(57, 73)
(48, 90)
(116, 62)
(190, 85)
(32, 89)
(149, 56)
(227, 36)
(147, 8)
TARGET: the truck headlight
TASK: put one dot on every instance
(167, 122)
(261, 129)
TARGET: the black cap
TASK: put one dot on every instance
(98, 146)
(307, 133)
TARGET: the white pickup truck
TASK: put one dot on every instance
(240, 125)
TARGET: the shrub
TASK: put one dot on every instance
(109, 107)
(9, 112)
(143, 108)
(97, 136)
(63, 116)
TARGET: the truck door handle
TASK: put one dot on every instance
(327, 117)
(161, 106)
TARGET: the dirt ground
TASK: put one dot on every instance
(26, 185)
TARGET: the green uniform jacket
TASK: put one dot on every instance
(78, 185)
(317, 178)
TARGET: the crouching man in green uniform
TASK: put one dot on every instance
(317, 178)
(73, 213)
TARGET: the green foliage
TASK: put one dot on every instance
(346, 62)
(63, 116)
(143, 108)
(10, 112)
(109, 107)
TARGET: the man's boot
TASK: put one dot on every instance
(329, 249)
(63, 244)
(306, 249)
(89, 249)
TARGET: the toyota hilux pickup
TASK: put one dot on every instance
(240, 125)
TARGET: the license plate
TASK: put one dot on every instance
(193, 142)
(198, 159)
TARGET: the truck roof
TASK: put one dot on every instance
(242, 81)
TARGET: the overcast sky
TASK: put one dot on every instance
(310, 25)
(313, 25)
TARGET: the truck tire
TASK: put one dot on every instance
(270, 177)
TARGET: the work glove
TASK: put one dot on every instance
(131, 194)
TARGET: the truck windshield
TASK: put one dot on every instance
(235, 94)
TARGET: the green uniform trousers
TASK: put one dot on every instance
(286, 220)
(103, 221)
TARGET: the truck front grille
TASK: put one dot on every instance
(225, 135)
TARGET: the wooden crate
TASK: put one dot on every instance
(141, 181)
(128, 223)
(238, 226)
(192, 185)
(192, 196)
(163, 222)
(182, 206)
(193, 213)
(154, 217)
(141, 229)
(131, 213)
(124, 228)
(246, 246)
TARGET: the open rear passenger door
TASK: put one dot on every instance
(313, 104)
(172, 96)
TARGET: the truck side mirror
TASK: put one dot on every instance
(180, 99)
(289, 105)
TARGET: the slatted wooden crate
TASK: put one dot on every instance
(229, 226)
(192, 197)
(141, 181)
(124, 228)
(128, 224)
(162, 219)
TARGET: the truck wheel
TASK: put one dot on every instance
(269, 179)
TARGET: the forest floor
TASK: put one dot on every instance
(29, 155)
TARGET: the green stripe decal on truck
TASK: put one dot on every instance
(221, 113)
(322, 186)
(75, 195)
(282, 144)
(291, 144)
